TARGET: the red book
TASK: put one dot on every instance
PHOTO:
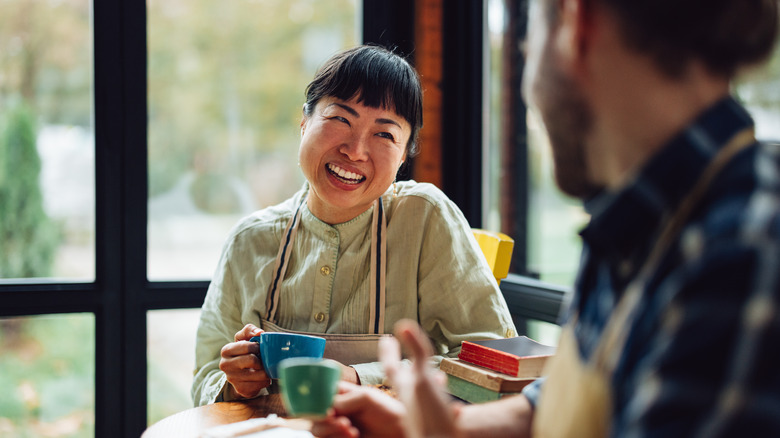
(519, 356)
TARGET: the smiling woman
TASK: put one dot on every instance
(350, 154)
(352, 252)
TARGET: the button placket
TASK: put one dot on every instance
(324, 281)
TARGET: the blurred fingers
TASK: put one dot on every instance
(414, 339)
(334, 427)
(389, 355)
(345, 387)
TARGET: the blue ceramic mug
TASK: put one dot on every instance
(277, 346)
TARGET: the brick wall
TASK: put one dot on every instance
(428, 59)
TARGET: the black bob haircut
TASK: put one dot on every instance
(378, 77)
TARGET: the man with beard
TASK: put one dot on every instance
(674, 325)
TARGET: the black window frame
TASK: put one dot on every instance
(463, 52)
(121, 295)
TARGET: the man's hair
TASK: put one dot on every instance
(378, 78)
(724, 35)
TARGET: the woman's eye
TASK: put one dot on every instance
(387, 135)
(341, 119)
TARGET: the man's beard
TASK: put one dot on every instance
(568, 119)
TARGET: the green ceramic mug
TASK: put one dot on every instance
(308, 385)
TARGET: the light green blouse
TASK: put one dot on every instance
(436, 275)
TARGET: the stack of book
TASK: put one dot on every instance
(490, 369)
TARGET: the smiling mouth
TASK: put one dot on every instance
(343, 175)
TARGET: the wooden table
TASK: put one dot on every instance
(192, 422)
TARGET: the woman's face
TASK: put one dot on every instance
(350, 154)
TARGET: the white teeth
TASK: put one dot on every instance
(344, 173)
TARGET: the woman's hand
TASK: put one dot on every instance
(362, 411)
(241, 364)
(349, 374)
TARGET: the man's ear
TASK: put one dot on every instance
(574, 30)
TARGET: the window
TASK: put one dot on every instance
(47, 186)
(47, 373)
(224, 105)
(759, 90)
(552, 245)
(544, 222)
(47, 213)
(101, 99)
(224, 108)
(519, 196)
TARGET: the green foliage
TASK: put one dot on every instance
(226, 81)
(47, 371)
(28, 239)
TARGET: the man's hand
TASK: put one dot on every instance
(430, 413)
(242, 366)
(362, 411)
(420, 388)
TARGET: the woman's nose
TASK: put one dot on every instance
(356, 149)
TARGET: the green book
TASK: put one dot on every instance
(471, 392)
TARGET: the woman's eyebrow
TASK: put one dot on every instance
(388, 121)
(346, 108)
(352, 111)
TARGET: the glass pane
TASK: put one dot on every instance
(47, 376)
(554, 219)
(47, 188)
(759, 91)
(171, 361)
(226, 86)
(544, 332)
(496, 24)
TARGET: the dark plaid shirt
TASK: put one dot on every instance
(702, 357)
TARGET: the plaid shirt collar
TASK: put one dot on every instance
(621, 221)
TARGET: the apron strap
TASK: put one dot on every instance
(377, 269)
(615, 334)
(282, 259)
(376, 317)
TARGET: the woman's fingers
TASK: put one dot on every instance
(242, 367)
(240, 348)
(247, 332)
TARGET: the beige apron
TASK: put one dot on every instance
(348, 349)
(576, 398)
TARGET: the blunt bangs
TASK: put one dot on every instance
(378, 78)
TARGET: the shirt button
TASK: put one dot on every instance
(509, 333)
(319, 317)
(333, 234)
(325, 270)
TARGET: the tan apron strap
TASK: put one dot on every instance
(282, 259)
(614, 336)
(377, 271)
(376, 317)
